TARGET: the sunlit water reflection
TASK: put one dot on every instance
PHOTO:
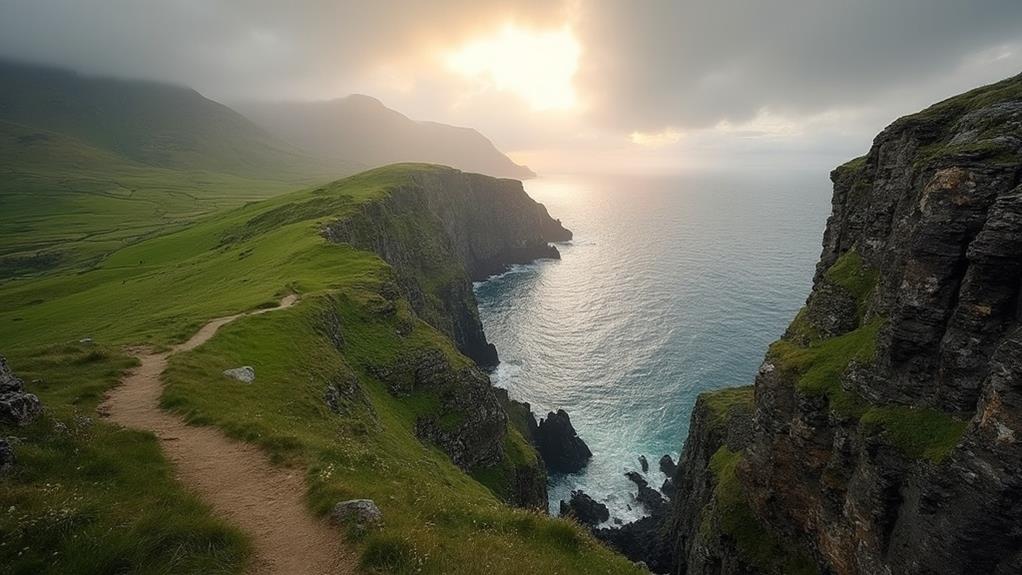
(671, 287)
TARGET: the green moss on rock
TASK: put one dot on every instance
(920, 433)
(731, 514)
(725, 403)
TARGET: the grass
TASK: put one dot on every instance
(88, 497)
(437, 517)
(731, 514)
(924, 433)
(851, 272)
(817, 369)
(724, 403)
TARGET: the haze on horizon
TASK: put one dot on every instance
(563, 86)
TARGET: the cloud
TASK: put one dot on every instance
(667, 80)
(696, 63)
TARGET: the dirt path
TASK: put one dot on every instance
(235, 478)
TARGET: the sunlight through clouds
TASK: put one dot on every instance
(537, 66)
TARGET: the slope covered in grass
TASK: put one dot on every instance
(351, 325)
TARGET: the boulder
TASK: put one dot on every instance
(584, 509)
(644, 463)
(668, 466)
(17, 407)
(244, 374)
(559, 445)
(361, 513)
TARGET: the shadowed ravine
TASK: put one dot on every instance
(236, 479)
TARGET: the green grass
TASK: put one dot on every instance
(731, 514)
(438, 518)
(89, 497)
(724, 403)
(817, 368)
(851, 272)
(924, 433)
(66, 205)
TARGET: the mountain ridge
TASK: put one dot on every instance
(374, 135)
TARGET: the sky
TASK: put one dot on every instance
(563, 85)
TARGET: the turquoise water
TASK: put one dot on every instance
(671, 287)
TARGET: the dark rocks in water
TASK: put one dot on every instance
(362, 514)
(650, 498)
(668, 488)
(584, 509)
(668, 466)
(559, 445)
(6, 456)
(644, 463)
(17, 407)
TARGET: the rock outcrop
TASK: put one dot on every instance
(17, 407)
(883, 435)
(584, 509)
(442, 230)
(562, 449)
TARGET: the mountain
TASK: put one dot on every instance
(154, 124)
(884, 430)
(361, 129)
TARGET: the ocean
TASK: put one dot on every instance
(671, 286)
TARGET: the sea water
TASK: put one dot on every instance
(670, 287)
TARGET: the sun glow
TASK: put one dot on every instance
(537, 66)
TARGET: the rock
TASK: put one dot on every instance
(6, 456)
(361, 513)
(921, 264)
(639, 541)
(584, 509)
(668, 488)
(650, 498)
(668, 466)
(244, 374)
(644, 463)
(559, 445)
(17, 407)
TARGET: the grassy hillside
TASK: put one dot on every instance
(151, 123)
(362, 129)
(90, 165)
(438, 519)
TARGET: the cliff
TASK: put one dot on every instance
(883, 430)
(441, 230)
(438, 229)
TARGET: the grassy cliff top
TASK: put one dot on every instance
(438, 519)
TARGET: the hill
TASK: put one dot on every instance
(363, 386)
(90, 165)
(361, 129)
(150, 123)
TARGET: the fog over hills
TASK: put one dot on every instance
(361, 129)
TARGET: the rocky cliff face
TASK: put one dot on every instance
(439, 229)
(883, 433)
(444, 229)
